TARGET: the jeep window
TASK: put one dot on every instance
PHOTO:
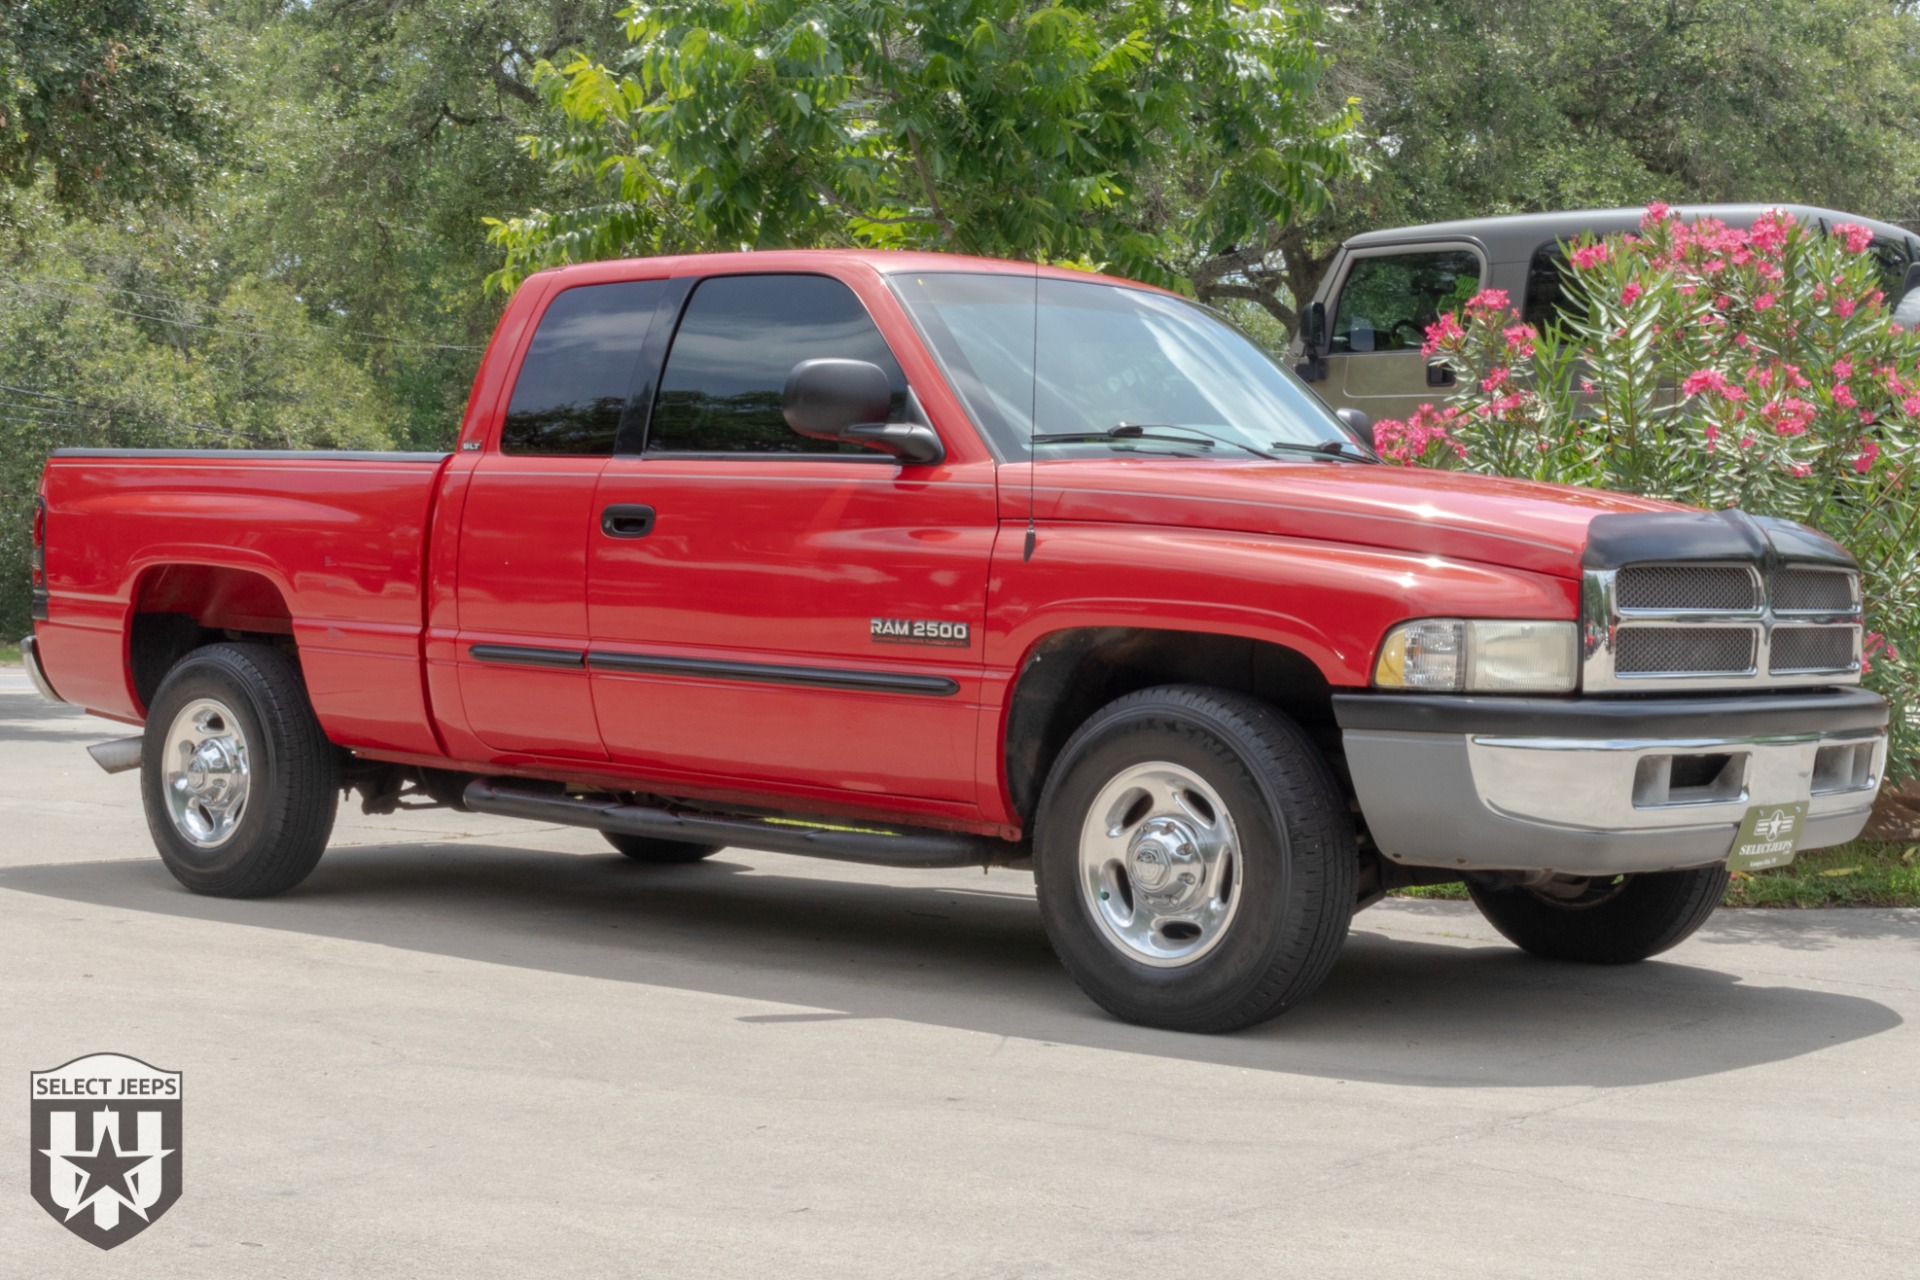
(1548, 300)
(1388, 301)
(1108, 355)
(738, 340)
(1892, 258)
(578, 373)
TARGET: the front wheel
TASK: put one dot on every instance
(1195, 860)
(239, 782)
(1603, 919)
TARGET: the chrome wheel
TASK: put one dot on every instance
(1160, 864)
(206, 775)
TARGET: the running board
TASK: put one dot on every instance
(891, 847)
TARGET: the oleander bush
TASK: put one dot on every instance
(1715, 367)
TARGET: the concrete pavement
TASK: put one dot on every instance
(470, 1047)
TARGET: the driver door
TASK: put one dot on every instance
(1380, 315)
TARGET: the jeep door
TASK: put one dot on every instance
(777, 614)
(1378, 312)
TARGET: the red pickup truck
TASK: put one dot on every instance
(934, 561)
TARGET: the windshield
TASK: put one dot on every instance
(1108, 356)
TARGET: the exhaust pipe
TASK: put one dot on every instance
(117, 756)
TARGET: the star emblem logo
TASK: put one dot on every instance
(105, 1141)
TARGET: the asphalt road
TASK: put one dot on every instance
(469, 1047)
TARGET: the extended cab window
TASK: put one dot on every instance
(574, 384)
(1388, 301)
(738, 340)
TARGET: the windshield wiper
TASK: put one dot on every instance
(1330, 449)
(1148, 431)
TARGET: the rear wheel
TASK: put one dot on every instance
(1195, 860)
(239, 782)
(660, 852)
(1603, 919)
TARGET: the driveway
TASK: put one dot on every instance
(469, 1047)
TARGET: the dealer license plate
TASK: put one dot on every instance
(1769, 836)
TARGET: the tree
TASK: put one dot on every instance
(1150, 136)
(1477, 107)
(111, 99)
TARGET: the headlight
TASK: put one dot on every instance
(1453, 655)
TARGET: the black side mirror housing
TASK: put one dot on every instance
(847, 401)
(1313, 344)
(1357, 422)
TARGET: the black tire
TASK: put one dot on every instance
(1617, 921)
(1296, 863)
(661, 853)
(293, 773)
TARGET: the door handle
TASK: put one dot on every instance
(626, 520)
(1439, 376)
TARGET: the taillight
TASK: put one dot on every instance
(38, 558)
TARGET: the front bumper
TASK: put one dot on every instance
(1595, 786)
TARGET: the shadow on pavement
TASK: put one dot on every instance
(1395, 1010)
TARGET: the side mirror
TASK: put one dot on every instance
(1313, 344)
(847, 401)
(1357, 422)
(1909, 284)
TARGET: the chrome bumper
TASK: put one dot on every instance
(30, 657)
(1580, 797)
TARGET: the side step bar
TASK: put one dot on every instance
(894, 847)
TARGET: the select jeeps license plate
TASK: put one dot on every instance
(1769, 836)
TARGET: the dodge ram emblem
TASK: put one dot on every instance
(105, 1145)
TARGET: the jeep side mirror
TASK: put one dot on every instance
(847, 401)
(1358, 423)
(1313, 344)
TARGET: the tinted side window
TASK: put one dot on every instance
(1891, 257)
(738, 341)
(1548, 301)
(1388, 302)
(574, 383)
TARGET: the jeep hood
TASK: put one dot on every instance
(1512, 523)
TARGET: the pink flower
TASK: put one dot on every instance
(1769, 235)
(1704, 380)
(1441, 332)
(1740, 339)
(1764, 302)
(1586, 386)
(1844, 307)
(1869, 453)
(1519, 339)
(1911, 406)
(1657, 212)
(1800, 470)
(1746, 442)
(1859, 239)
(1486, 302)
(1713, 436)
(1843, 397)
(1495, 378)
(1591, 256)
(1843, 368)
(1631, 294)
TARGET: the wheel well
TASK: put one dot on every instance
(178, 608)
(1071, 674)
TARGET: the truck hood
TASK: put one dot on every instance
(1513, 523)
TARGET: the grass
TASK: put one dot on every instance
(9, 655)
(1865, 873)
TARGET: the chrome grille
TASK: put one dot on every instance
(1813, 591)
(1719, 625)
(1798, 649)
(1725, 588)
(1685, 650)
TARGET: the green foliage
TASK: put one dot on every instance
(1135, 133)
(1718, 368)
(112, 100)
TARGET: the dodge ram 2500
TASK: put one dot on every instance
(934, 561)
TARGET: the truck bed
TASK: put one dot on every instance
(329, 547)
